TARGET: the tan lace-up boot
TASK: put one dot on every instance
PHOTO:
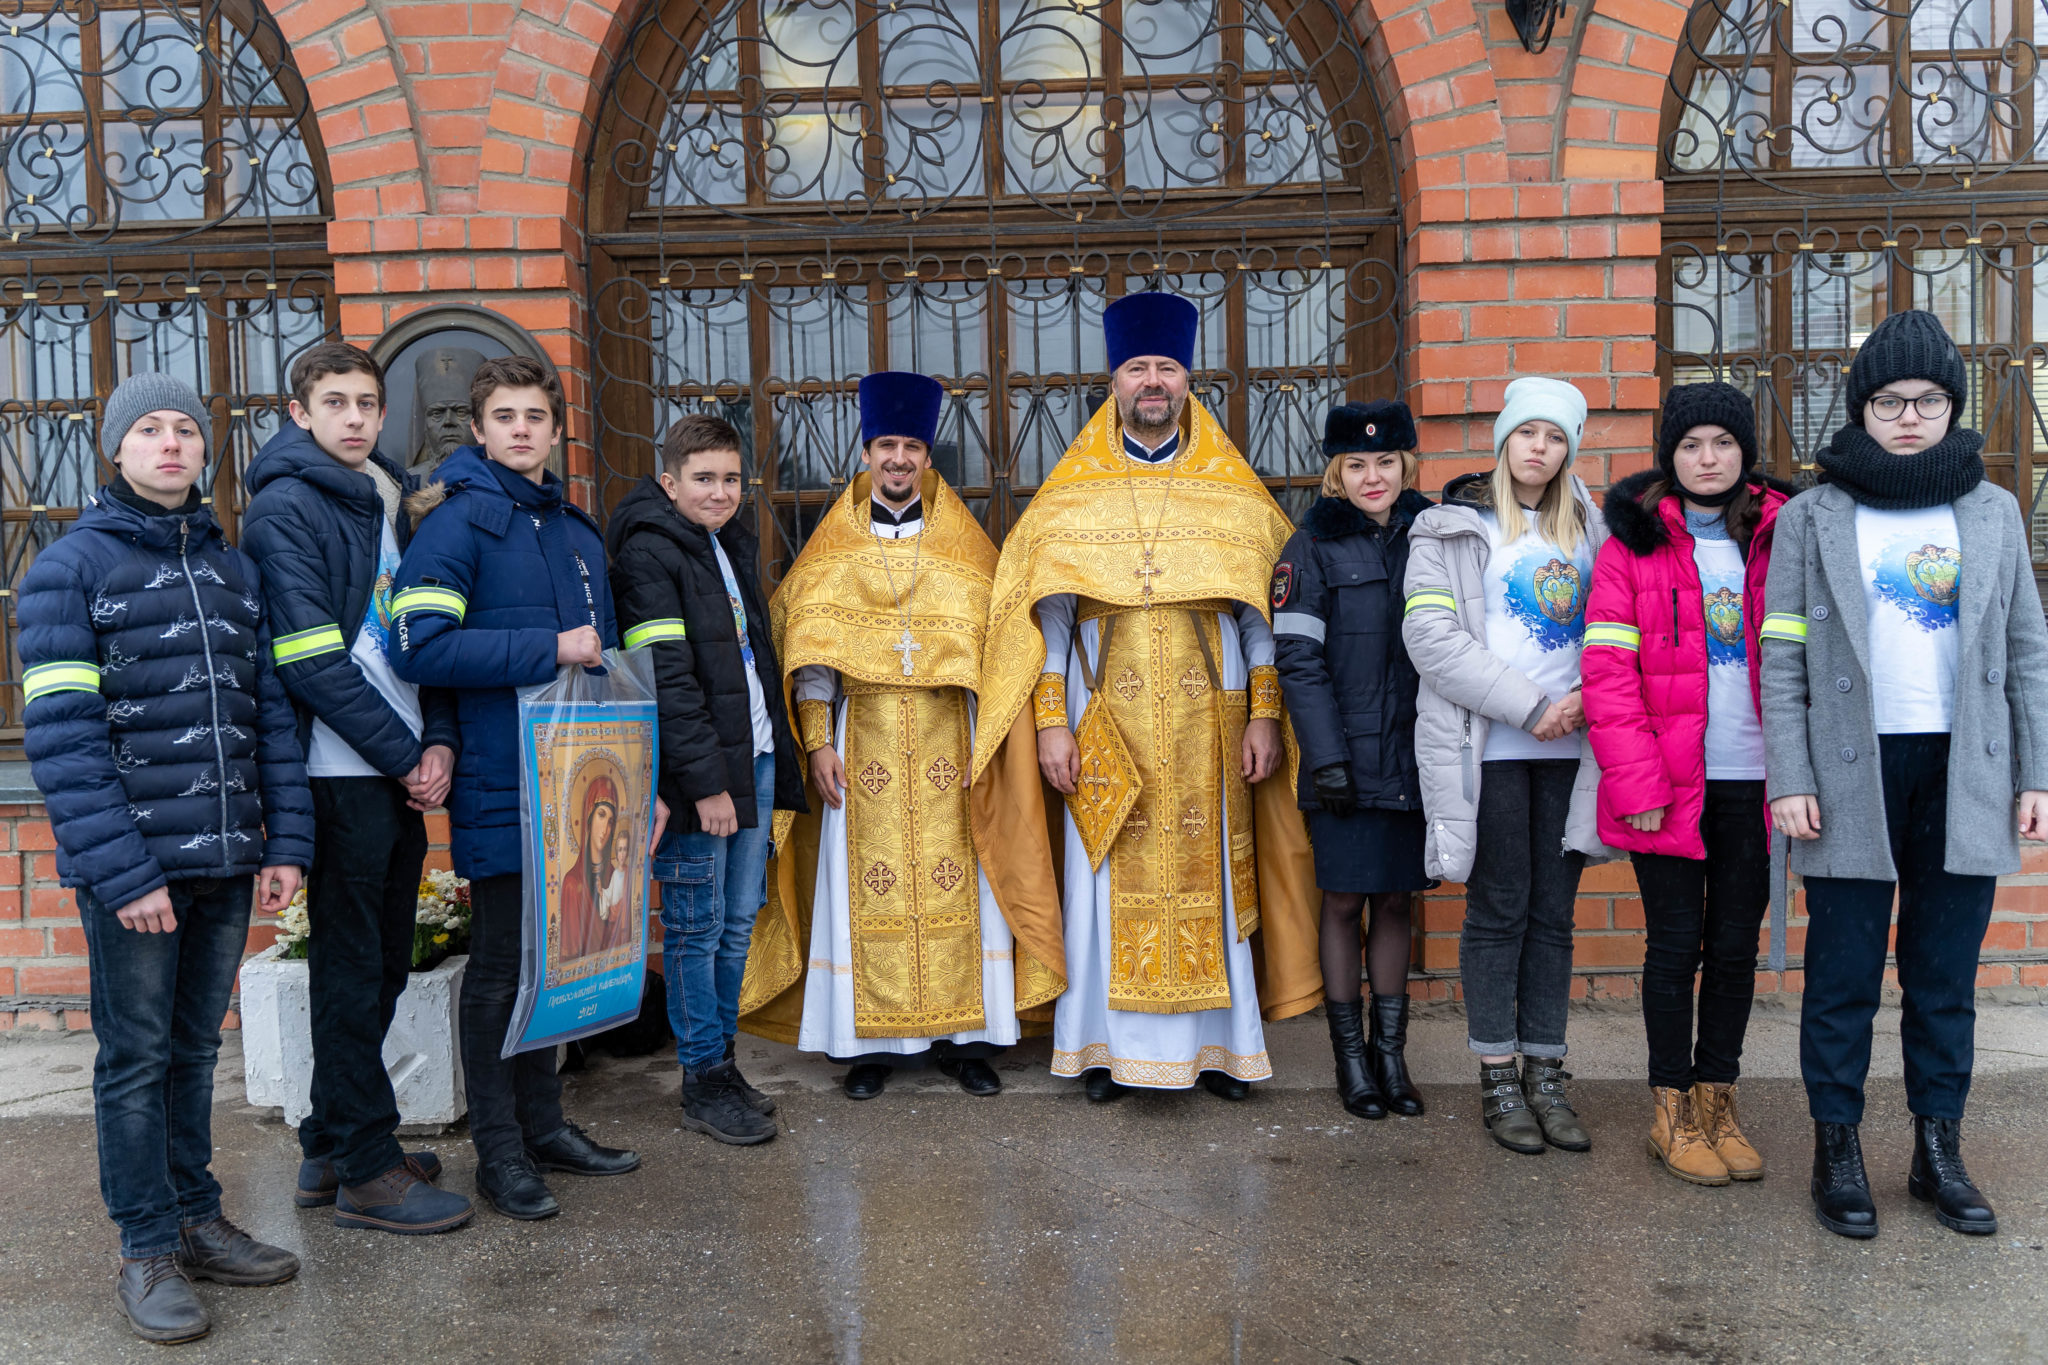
(1713, 1106)
(1677, 1142)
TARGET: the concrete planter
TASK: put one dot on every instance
(422, 1052)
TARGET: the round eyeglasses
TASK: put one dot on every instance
(1889, 407)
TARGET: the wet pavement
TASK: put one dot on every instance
(930, 1226)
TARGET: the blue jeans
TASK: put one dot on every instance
(157, 1003)
(711, 889)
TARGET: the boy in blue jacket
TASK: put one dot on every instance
(503, 583)
(323, 522)
(168, 758)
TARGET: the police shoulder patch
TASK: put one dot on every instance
(1283, 583)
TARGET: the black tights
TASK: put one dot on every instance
(1387, 942)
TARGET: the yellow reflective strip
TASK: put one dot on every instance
(306, 644)
(1431, 597)
(1780, 625)
(1613, 633)
(67, 676)
(647, 632)
(447, 601)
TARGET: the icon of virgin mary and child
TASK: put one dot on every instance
(596, 901)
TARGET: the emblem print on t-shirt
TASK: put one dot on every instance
(1723, 608)
(1922, 581)
(1546, 594)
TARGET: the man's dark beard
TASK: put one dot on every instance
(1137, 428)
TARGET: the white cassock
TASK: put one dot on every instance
(828, 986)
(1163, 1051)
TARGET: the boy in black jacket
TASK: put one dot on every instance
(166, 755)
(323, 523)
(683, 579)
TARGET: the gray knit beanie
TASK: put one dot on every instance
(139, 395)
(1908, 345)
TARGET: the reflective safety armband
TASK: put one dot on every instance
(446, 601)
(1431, 597)
(1784, 625)
(647, 632)
(67, 675)
(302, 645)
(1299, 623)
(1613, 633)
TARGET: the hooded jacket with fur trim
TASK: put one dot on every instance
(1646, 702)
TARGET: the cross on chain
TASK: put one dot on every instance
(1147, 573)
(906, 645)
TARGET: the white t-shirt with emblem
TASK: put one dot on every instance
(327, 754)
(1912, 578)
(1536, 623)
(1735, 737)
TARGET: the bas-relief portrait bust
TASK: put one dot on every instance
(440, 405)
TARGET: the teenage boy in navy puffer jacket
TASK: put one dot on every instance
(323, 522)
(169, 761)
(503, 583)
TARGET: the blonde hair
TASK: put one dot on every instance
(1559, 517)
(1333, 472)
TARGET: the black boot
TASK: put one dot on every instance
(1841, 1190)
(1102, 1085)
(755, 1100)
(1387, 1051)
(1355, 1085)
(1939, 1178)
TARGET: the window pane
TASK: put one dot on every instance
(268, 171)
(1837, 298)
(708, 163)
(45, 187)
(807, 44)
(39, 66)
(1818, 408)
(1970, 289)
(1286, 137)
(1056, 326)
(1727, 113)
(167, 337)
(817, 334)
(1173, 138)
(1052, 143)
(936, 43)
(1956, 25)
(1170, 38)
(1832, 26)
(700, 338)
(1839, 116)
(1718, 304)
(1964, 112)
(817, 438)
(933, 148)
(148, 59)
(814, 153)
(939, 327)
(155, 171)
(1046, 42)
(1294, 321)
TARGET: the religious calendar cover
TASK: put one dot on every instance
(586, 759)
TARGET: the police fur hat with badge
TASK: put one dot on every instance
(1355, 428)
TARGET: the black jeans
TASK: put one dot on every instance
(1515, 952)
(1942, 919)
(510, 1098)
(368, 849)
(157, 1003)
(1703, 918)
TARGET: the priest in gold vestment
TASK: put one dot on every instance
(879, 626)
(1128, 615)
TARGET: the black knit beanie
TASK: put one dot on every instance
(1908, 345)
(1697, 405)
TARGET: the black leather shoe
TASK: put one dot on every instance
(976, 1076)
(570, 1149)
(1103, 1087)
(1939, 1178)
(318, 1180)
(1841, 1190)
(221, 1252)
(159, 1301)
(1386, 1051)
(867, 1080)
(1226, 1086)
(515, 1189)
(1356, 1088)
(754, 1099)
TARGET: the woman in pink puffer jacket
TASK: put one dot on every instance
(1672, 705)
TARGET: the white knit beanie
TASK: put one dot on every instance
(1552, 400)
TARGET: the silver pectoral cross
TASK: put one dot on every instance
(906, 645)
(1146, 573)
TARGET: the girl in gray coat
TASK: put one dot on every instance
(1494, 621)
(1905, 667)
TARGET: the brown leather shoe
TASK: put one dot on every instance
(1713, 1107)
(1677, 1141)
(221, 1252)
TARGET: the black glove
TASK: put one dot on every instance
(1333, 789)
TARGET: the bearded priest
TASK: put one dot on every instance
(879, 625)
(1129, 615)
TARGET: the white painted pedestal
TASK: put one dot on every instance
(422, 1052)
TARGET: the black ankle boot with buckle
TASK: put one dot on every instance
(1504, 1110)
(1938, 1178)
(1841, 1189)
(1543, 1081)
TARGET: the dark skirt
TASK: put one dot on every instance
(1369, 851)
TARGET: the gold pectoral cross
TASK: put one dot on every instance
(906, 645)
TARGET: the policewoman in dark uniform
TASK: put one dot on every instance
(1337, 598)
